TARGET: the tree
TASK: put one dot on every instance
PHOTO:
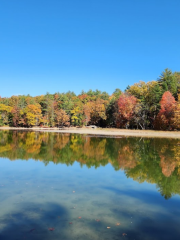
(98, 111)
(61, 118)
(125, 110)
(33, 115)
(15, 116)
(164, 120)
(110, 111)
(87, 113)
(76, 116)
(117, 93)
(149, 95)
(4, 114)
(176, 119)
(168, 81)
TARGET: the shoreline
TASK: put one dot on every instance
(109, 132)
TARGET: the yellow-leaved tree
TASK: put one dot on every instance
(33, 115)
(76, 116)
(4, 114)
(98, 111)
(176, 119)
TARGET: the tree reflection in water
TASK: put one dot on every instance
(153, 160)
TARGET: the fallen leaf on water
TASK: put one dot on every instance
(51, 229)
(70, 222)
(97, 220)
(108, 227)
(79, 217)
(117, 224)
(73, 191)
(124, 234)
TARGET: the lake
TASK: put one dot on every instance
(67, 186)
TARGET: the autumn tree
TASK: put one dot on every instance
(33, 115)
(149, 95)
(177, 76)
(176, 118)
(76, 116)
(98, 111)
(18, 104)
(125, 110)
(84, 98)
(15, 116)
(4, 114)
(87, 113)
(164, 120)
(61, 118)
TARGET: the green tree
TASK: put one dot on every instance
(168, 82)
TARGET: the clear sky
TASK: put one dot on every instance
(60, 45)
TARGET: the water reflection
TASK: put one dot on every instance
(152, 160)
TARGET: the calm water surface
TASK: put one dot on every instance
(68, 186)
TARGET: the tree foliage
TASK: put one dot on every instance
(164, 120)
(176, 118)
(126, 106)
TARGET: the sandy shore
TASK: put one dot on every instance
(105, 132)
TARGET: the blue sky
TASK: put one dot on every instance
(60, 45)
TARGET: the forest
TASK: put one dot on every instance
(151, 105)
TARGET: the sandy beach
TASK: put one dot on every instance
(110, 132)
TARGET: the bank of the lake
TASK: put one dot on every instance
(104, 131)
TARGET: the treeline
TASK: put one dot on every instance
(155, 161)
(152, 105)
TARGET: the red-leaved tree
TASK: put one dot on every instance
(164, 119)
(126, 106)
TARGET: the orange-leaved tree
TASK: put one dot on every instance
(165, 117)
(98, 111)
(87, 113)
(61, 118)
(126, 106)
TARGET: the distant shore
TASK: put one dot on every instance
(104, 132)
